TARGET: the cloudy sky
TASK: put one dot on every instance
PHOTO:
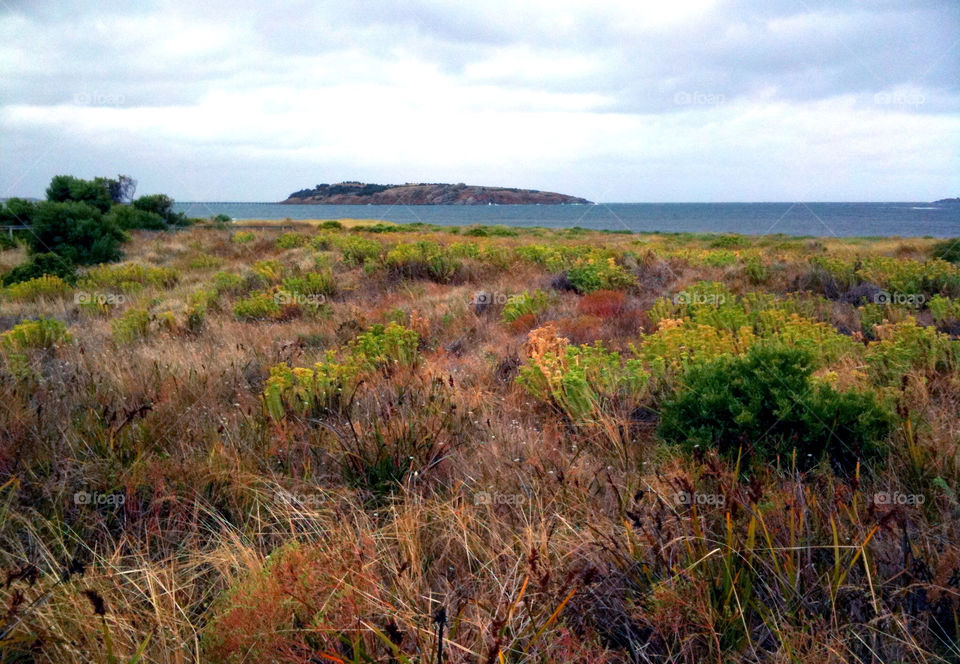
(700, 100)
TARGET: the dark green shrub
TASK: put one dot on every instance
(162, 205)
(39, 265)
(949, 250)
(766, 402)
(128, 217)
(77, 232)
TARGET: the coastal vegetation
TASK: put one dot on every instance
(368, 443)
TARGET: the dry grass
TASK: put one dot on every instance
(217, 533)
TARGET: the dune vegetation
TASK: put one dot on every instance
(386, 443)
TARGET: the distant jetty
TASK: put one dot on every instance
(360, 193)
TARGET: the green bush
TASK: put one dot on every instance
(357, 250)
(384, 346)
(242, 237)
(227, 282)
(422, 260)
(581, 381)
(40, 333)
(45, 286)
(523, 304)
(162, 206)
(259, 306)
(40, 265)
(291, 241)
(766, 402)
(132, 325)
(312, 283)
(129, 276)
(599, 274)
(128, 217)
(948, 250)
(77, 232)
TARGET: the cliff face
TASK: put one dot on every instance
(358, 193)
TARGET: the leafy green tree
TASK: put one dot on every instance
(16, 212)
(97, 192)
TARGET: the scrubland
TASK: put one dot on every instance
(415, 444)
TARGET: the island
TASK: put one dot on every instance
(947, 202)
(361, 193)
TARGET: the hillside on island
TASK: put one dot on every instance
(360, 193)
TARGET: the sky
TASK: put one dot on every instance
(676, 101)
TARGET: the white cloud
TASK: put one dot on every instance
(647, 101)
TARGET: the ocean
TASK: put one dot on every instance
(817, 219)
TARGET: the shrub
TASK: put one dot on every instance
(906, 346)
(767, 403)
(132, 325)
(204, 262)
(129, 276)
(268, 270)
(388, 345)
(595, 274)
(309, 392)
(331, 224)
(357, 250)
(944, 309)
(227, 282)
(262, 306)
(40, 265)
(948, 250)
(243, 237)
(912, 277)
(524, 304)
(291, 241)
(40, 333)
(77, 232)
(422, 260)
(580, 381)
(128, 218)
(756, 271)
(45, 286)
(728, 242)
(312, 283)
(161, 205)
